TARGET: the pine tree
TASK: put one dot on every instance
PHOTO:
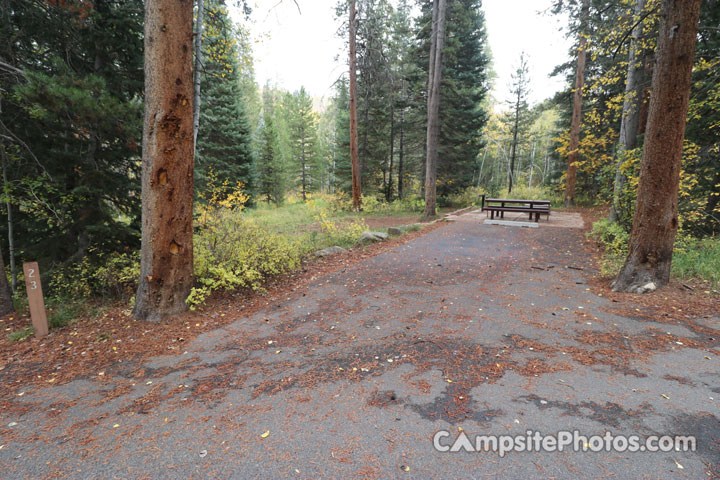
(224, 149)
(302, 122)
(342, 170)
(464, 87)
(271, 171)
(518, 116)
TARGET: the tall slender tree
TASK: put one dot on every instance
(656, 213)
(630, 111)
(520, 92)
(354, 160)
(437, 43)
(166, 266)
(573, 154)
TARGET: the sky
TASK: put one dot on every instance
(300, 47)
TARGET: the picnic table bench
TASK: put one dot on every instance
(501, 205)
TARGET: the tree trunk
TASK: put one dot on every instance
(389, 187)
(354, 162)
(10, 223)
(433, 123)
(197, 71)
(514, 142)
(655, 223)
(166, 264)
(6, 300)
(401, 153)
(629, 122)
(577, 109)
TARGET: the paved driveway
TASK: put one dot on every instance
(472, 329)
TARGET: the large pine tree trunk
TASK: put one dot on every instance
(630, 113)
(354, 162)
(655, 223)
(577, 109)
(433, 122)
(166, 267)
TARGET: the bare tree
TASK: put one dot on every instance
(655, 223)
(437, 40)
(577, 107)
(166, 265)
(355, 166)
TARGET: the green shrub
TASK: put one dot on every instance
(97, 275)
(538, 192)
(692, 257)
(697, 258)
(615, 240)
(232, 251)
(471, 196)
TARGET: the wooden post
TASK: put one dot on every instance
(35, 298)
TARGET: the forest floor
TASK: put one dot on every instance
(348, 368)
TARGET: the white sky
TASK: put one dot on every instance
(300, 48)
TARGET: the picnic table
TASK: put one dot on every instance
(534, 208)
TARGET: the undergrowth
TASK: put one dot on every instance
(693, 258)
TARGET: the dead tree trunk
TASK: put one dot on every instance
(433, 124)
(655, 223)
(354, 162)
(577, 109)
(197, 70)
(630, 113)
(166, 264)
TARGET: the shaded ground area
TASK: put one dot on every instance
(470, 326)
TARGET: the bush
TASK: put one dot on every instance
(97, 275)
(692, 257)
(232, 251)
(615, 241)
(471, 196)
(538, 192)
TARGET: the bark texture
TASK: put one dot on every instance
(437, 43)
(354, 161)
(655, 223)
(166, 266)
(6, 301)
(577, 109)
(630, 113)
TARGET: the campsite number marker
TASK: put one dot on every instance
(35, 298)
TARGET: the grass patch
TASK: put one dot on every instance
(693, 258)
(20, 335)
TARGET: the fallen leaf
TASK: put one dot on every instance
(264, 435)
(116, 425)
(404, 468)
(665, 396)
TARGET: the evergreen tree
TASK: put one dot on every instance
(71, 99)
(517, 117)
(464, 87)
(224, 148)
(302, 123)
(271, 171)
(342, 172)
